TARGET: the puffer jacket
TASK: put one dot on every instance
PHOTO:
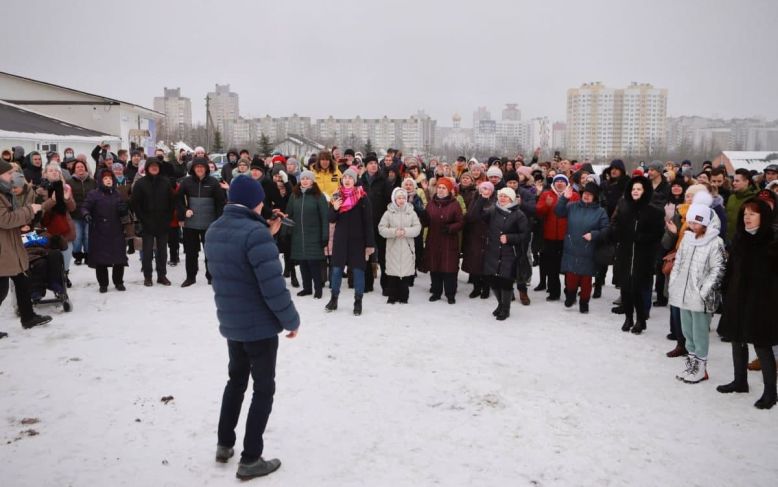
(400, 252)
(695, 281)
(582, 218)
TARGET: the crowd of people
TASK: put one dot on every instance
(697, 240)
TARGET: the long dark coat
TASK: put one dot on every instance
(638, 227)
(750, 286)
(474, 238)
(311, 231)
(107, 245)
(502, 259)
(445, 220)
(582, 218)
(353, 234)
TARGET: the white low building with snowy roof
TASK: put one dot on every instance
(34, 131)
(751, 160)
(131, 125)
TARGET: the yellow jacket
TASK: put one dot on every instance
(328, 182)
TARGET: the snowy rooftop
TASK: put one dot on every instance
(15, 119)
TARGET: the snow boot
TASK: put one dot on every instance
(698, 372)
(583, 306)
(333, 304)
(628, 324)
(35, 320)
(295, 282)
(540, 287)
(475, 292)
(597, 291)
(640, 327)
(357, 305)
(524, 298)
(498, 309)
(569, 298)
(485, 292)
(258, 468)
(678, 351)
(687, 367)
(505, 304)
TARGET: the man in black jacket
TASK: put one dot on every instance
(200, 201)
(379, 192)
(152, 201)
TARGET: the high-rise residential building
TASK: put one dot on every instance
(710, 135)
(511, 136)
(540, 134)
(178, 114)
(511, 112)
(604, 122)
(223, 105)
(559, 136)
(480, 114)
(413, 134)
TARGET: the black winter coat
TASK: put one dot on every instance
(750, 286)
(106, 207)
(81, 189)
(153, 203)
(205, 197)
(379, 191)
(502, 259)
(637, 227)
(353, 234)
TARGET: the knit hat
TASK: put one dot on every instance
(244, 161)
(698, 213)
(593, 189)
(637, 172)
(279, 159)
(562, 177)
(199, 161)
(444, 181)
(411, 180)
(397, 191)
(486, 184)
(352, 173)
(116, 166)
(656, 165)
(18, 180)
(494, 171)
(307, 175)
(411, 161)
(510, 193)
(247, 192)
(767, 196)
(771, 168)
(771, 185)
(694, 189)
(525, 170)
(257, 164)
(5, 166)
(511, 176)
(473, 160)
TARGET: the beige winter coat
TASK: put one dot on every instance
(400, 252)
(13, 256)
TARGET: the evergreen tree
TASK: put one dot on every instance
(217, 145)
(265, 147)
(368, 147)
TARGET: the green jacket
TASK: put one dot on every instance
(311, 231)
(734, 202)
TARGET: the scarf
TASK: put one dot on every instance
(351, 197)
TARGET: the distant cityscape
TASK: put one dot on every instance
(601, 123)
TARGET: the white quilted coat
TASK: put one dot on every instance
(400, 252)
(695, 282)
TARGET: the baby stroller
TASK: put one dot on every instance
(47, 272)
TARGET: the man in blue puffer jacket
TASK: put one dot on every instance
(253, 306)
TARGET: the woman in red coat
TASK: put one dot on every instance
(441, 257)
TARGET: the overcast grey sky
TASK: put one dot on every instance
(349, 57)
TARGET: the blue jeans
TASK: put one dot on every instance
(337, 277)
(257, 359)
(81, 243)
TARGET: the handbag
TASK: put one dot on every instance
(667, 263)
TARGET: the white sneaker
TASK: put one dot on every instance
(687, 367)
(698, 372)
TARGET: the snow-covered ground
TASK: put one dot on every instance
(422, 394)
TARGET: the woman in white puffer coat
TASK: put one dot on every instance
(399, 226)
(695, 284)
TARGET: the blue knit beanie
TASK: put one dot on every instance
(247, 192)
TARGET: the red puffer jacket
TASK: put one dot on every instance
(554, 227)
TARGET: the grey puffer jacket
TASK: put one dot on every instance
(695, 281)
(400, 252)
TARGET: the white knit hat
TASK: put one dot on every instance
(509, 192)
(494, 171)
(699, 214)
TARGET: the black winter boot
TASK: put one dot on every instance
(333, 304)
(628, 324)
(569, 298)
(583, 306)
(597, 291)
(740, 362)
(295, 282)
(357, 305)
(770, 395)
(485, 292)
(505, 300)
(639, 327)
(475, 292)
(498, 309)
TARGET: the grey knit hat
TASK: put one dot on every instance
(352, 173)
